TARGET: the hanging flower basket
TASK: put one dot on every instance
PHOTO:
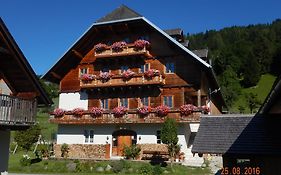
(187, 109)
(100, 47)
(87, 77)
(96, 112)
(118, 46)
(151, 73)
(128, 74)
(162, 110)
(58, 112)
(77, 112)
(140, 44)
(105, 76)
(144, 111)
(119, 111)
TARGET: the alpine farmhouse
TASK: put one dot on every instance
(119, 82)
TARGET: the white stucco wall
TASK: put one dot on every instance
(74, 134)
(69, 101)
(4, 149)
(194, 127)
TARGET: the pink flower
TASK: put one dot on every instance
(87, 77)
(118, 46)
(119, 111)
(78, 112)
(187, 109)
(162, 110)
(96, 112)
(100, 47)
(140, 44)
(105, 76)
(58, 112)
(204, 109)
(144, 110)
(151, 73)
(128, 74)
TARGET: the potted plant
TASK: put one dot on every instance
(119, 111)
(144, 111)
(58, 112)
(100, 47)
(151, 73)
(162, 110)
(96, 112)
(77, 112)
(187, 109)
(140, 44)
(105, 76)
(87, 77)
(128, 74)
(118, 46)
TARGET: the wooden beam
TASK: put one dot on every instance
(78, 54)
(56, 75)
(3, 50)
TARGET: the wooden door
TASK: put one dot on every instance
(123, 141)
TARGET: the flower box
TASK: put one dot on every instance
(140, 44)
(119, 111)
(105, 76)
(96, 112)
(187, 109)
(87, 77)
(58, 112)
(77, 112)
(151, 73)
(162, 110)
(118, 46)
(100, 47)
(144, 111)
(128, 74)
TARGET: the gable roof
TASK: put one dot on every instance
(238, 135)
(122, 12)
(20, 74)
(173, 32)
(202, 53)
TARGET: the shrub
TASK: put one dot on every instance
(25, 160)
(44, 150)
(146, 169)
(64, 150)
(132, 152)
(157, 170)
(118, 166)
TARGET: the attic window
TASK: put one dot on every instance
(83, 71)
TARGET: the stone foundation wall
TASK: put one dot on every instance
(82, 151)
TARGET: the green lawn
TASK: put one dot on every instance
(89, 167)
(262, 89)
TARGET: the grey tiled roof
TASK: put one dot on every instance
(202, 53)
(122, 12)
(172, 32)
(239, 135)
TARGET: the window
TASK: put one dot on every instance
(105, 69)
(127, 40)
(124, 68)
(104, 104)
(83, 71)
(170, 67)
(89, 136)
(144, 37)
(124, 102)
(168, 101)
(144, 101)
(144, 68)
(158, 136)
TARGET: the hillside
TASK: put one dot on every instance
(240, 55)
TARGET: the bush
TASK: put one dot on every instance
(118, 166)
(44, 150)
(157, 170)
(25, 160)
(146, 169)
(64, 150)
(132, 152)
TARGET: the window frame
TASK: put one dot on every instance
(102, 103)
(89, 136)
(121, 70)
(119, 102)
(141, 102)
(167, 68)
(158, 137)
(83, 68)
(172, 100)
(144, 69)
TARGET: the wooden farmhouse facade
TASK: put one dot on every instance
(120, 81)
(20, 92)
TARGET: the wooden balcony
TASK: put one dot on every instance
(16, 111)
(129, 50)
(116, 81)
(130, 117)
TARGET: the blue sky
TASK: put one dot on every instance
(44, 30)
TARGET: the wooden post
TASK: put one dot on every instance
(107, 151)
(199, 98)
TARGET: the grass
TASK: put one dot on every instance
(262, 89)
(84, 167)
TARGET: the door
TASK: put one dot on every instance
(123, 141)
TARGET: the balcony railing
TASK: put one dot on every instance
(17, 111)
(127, 51)
(115, 81)
(130, 117)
